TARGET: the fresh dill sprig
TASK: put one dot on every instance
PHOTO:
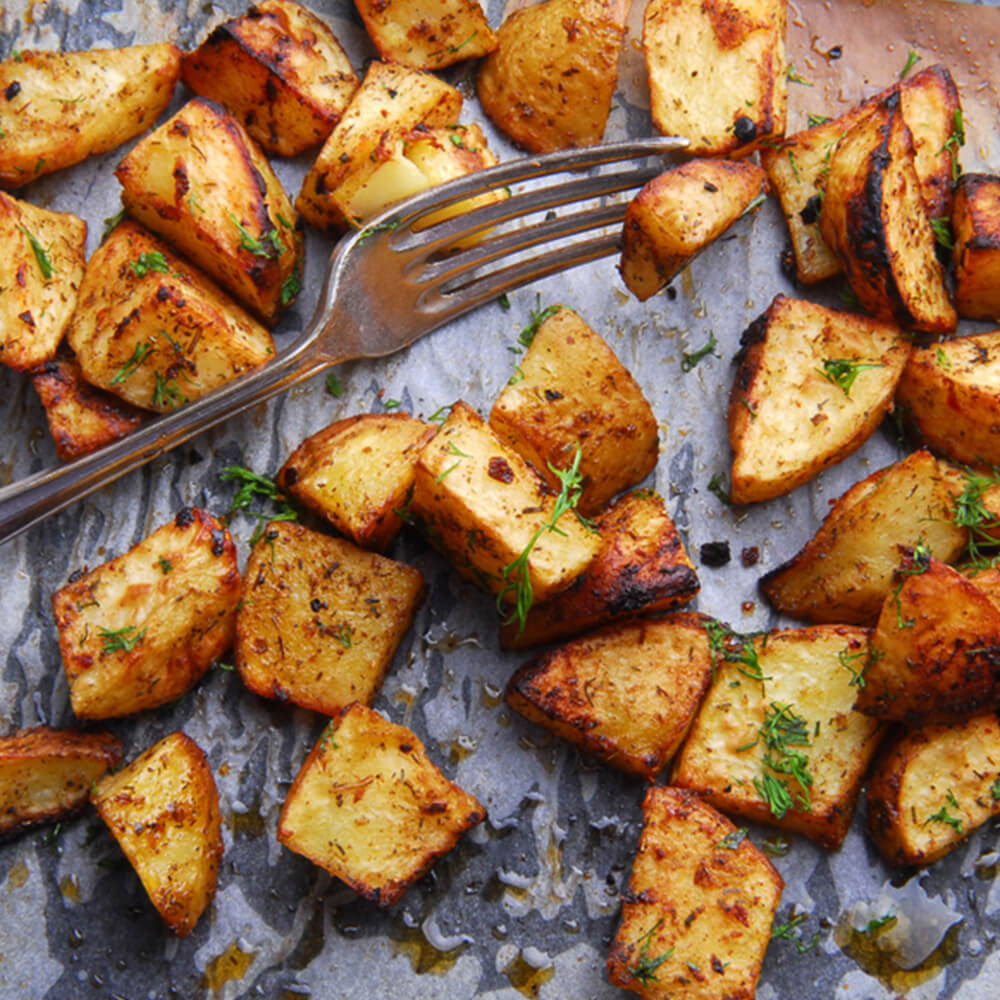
(644, 970)
(782, 731)
(842, 372)
(252, 487)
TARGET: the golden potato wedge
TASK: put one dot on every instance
(777, 739)
(427, 34)
(935, 649)
(845, 570)
(932, 787)
(201, 183)
(163, 809)
(626, 694)
(696, 919)
(390, 97)
(811, 386)
(46, 774)
(570, 390)
(61, 107)
(679, 213)
(873, 218)
(40, 276)
(155, 331)
(717, 72)
(640, 567)
(492, 515)
(371, 808)
(986, 580)
(140, 630)
(976, 227)
(549, 83)
(280, 69)
(320, 619)
(358, 473)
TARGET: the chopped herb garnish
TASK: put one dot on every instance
(981, 549)
(842, 372)
(759, 200)
(455, 48)
(733, 839)
(139, 354)
(793, 77)
(919, 562)
(228, 667)
(645, 968)
(943, 816)
(165, 565)
(849, 661)
(440, 414)
(270, 245)
(784, 729)
(344, 634)
(954, 142)
(290, 288)
(382, 227)
(733, 647)
(943, 233)
(777, 846)
(41, 255)
(110, 223)
(152, 260)
(690, 359)
(912, 58)
(538, 317)
(518, 376)
(391, 404)
(166, 392)
(503, 301)
(995, 790)
(253, 486)
(791, 930)
(941, 359)
(849, 298)
(814, 120)
(334, 386)
(877, 923)
(717, 485)
(120, 640)
(794, 164)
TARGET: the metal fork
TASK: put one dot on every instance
(385, 287)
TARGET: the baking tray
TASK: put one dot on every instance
(527, 903)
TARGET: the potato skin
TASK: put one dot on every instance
(976, 225)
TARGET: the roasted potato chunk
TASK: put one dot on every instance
(156, 332)
(626, 694)
(696, 919)
(491, 514)
(427, 34)
(678, 214)
(40, 277)
(358, 473)
(640, 567)
(873, 218)
(320, 619)
(163, 809)
(46, 774)
(717, 72)
(550, 81)
(570, 390)
(845, 570)
(932, 787)
(201, 183)
(777, 739)
(390, 98)
(370, 808)
(811, 386)
(140, 630)
(280, 70)
(61, 107)
(976, 225)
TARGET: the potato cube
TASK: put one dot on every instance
(976, 225)
(320, 619)
(932, 787)
(640, 567)
(156, 332)
(696, 919)
(46, 774)
(358, 473)
(163, 809)
(201, 183)
(280, 69)
(370, 808)
(140, 630)
(811, 387)
(777, 739)
(678, 214)
(626, 694)
(570, 390)
(61, 107)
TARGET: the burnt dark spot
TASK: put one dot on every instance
(835, 53)
(291, 476)
(317, 605)
(750, 556)
(710, 188)
(181, 128)
(551, 395)
(218, 541)
(435, 808)
(77, 573)
(500, 470)
(810, 213)
(788, 265)
(671, 293)
(162, 294)
(744, 129)
(12, 91)
(406, 748)
(715, 554)
(320, 186)
(26, 317)
(185, 517)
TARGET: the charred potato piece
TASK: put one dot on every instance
(845, 570)
(873, 219)
(61, 107)
(46, 774)
(320, 619)
(640, 567)
(390, 98)
(811, 386)
(976, 225)
(679, 213)
(358, 473)
(626, 694)
(696, 919)
(163, 809)
(549, 83)
(280, 70)
(40, 277)
(717, 72)
(932, 787)
(427, 34)
(371, 808)
(156, 332)
(777, 739)
(140, 630)
(201, 183)
(570, 390)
